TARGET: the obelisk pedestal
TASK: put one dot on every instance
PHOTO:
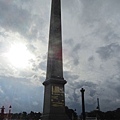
(54, 96)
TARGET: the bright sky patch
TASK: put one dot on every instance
(19, 56)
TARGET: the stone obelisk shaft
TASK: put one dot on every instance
(54, 63)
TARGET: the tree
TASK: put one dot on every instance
(71, 113)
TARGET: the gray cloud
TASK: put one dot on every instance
(118, 64)
(68, 41)
(42, 65)
(17, 19)
(74, 52)
(109, 51)
(20, 93)
(76, 48)
(70, 76)
(90, 59)
(31, 48)
(111, 35)
(13, 17)
(110, 94)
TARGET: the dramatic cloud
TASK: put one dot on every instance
(20, 93)
(109, 51)
(91, 52)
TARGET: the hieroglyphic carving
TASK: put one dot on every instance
(57, 98)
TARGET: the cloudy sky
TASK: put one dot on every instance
(91, 53)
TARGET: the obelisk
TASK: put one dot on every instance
(54, 96)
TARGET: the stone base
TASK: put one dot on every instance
(55, 117)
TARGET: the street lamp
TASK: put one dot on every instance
(83, 104)
(2, 112)
(10, 107)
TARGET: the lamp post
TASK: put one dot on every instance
(2, 112)
(10, 107)
(83, 104)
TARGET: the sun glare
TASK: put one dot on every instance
(19, 56)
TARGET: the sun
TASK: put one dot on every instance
(19, 56)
